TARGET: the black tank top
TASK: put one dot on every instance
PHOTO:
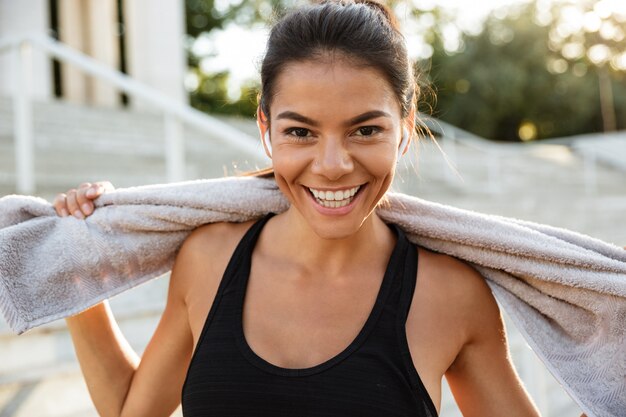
(374, 376)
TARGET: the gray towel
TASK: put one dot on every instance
(566, 292)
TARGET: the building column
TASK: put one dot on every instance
(155, 31)
(26, 17)
(72, 33)
(89, 26)
(104, 47)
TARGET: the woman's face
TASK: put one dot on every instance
(335, 129)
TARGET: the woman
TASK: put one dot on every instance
(323, 310)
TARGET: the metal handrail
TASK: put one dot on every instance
(174, 112)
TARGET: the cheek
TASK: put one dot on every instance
(378, 161)
(287, 167)
(381, 166)
(290, 163)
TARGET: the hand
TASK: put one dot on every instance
(78, 202)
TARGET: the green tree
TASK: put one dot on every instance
(590, 33)
(514, 79)
(506, 83)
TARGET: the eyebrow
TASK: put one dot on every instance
(355, 120)
(367, 116)
(292, 115)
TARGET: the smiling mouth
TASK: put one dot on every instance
(335, 199)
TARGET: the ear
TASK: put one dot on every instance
(408, 123)
(263, 125)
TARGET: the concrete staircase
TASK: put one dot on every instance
(75, 144)
(544, 184)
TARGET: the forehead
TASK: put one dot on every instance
(332, 89)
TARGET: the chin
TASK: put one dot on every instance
(336, 230)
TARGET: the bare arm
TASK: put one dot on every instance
(107, 361)
(119, 383)
(482, 377)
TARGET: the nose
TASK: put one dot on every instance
(333, 160)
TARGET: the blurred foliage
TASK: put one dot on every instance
(588, 32)
(516, 79)
(202, 16)
(509, 81)
(211, 96)
(206, 15)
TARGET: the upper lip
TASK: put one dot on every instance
(348, 187)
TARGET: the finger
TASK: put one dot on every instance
(60, 206)
(84, 204)
(72, 204)
(107, 186)
(99, 188)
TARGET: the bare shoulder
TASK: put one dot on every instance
(216, 237)
(200, 265)
(466, 339)
(454, 278)
(451, 306)
(207, 249)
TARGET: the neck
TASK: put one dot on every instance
(291, 236)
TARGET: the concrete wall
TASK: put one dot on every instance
(25, 16)
(154, 31)
(154, 42)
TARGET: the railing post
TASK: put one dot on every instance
(174, 148)
(23, 119)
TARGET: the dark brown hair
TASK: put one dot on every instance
(366, 32)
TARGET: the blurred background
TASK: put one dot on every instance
(527, 101)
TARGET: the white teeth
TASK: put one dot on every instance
(334, 199)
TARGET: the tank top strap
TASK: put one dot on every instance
(408, 273)
(244, 249)
(407, 290)
(239, 259)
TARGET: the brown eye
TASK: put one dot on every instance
(367, 130)
(301, 132)
(298, 133)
